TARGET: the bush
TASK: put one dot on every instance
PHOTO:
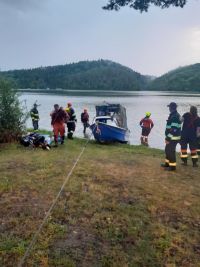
(12, 116)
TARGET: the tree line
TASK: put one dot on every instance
(181, 79)
(103, 75)
(85, 75)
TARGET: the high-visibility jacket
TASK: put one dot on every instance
(173, 127)
(34, 114)
(71, 113)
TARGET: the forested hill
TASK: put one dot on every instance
(85, 75)
(181, 79)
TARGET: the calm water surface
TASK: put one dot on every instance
(136, 104)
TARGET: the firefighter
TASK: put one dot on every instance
(58, 119)
(71, 124)
(172, 137)
(189, 136)
(147, 124)
(85, 120)
(35, 117)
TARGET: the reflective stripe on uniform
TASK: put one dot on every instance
(184, 156)
(173, 137)
(168, 127)
(194, 156)
(174, 124)
(176, 138)
(172, 164)
(166, 161)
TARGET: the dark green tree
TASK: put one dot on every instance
(12, 116)
(143, 5)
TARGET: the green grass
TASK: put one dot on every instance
(118, 209)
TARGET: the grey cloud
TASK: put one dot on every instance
(21, 4)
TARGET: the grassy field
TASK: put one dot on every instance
(119, 208)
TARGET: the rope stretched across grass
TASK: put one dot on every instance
(34, 239)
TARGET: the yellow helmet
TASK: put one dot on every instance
(148, 114)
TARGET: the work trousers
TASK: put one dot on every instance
(85, 126)
(59, 128)
(170, 151)
(35, 125)
(192, 142)
(71, 126)
(146, 131)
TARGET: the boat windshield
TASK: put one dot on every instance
(109, 121)
(114, 111)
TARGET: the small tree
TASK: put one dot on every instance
(12, 117)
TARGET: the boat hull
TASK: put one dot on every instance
(104, 133)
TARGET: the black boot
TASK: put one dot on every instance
(184, 161)
(56, 141)
(171, 168)
(194, 161)
(62, 140)
(56, 144)
(164, 165)
(70, 135)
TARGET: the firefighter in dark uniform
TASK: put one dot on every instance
(35, 117)
(172, 137)
(71, 124)
(189, 136)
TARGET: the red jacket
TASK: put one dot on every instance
(146, 123)
(59, 116)
(84, 117)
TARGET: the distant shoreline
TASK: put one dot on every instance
(108, 92)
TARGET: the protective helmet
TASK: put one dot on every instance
(69, 104)
(148, 114)
(172, 105)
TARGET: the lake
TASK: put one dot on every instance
(136, 104)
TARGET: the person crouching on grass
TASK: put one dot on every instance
(147, 124)
(58, 119)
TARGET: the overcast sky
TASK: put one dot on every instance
(50, 32)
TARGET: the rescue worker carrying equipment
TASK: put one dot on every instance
(172, 137)
(58, 119)
(147, 124)
(189, 136)
(85, 120)
(71, 124)
(35, 117)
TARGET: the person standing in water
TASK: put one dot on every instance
(147, 124)
(85, 120)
